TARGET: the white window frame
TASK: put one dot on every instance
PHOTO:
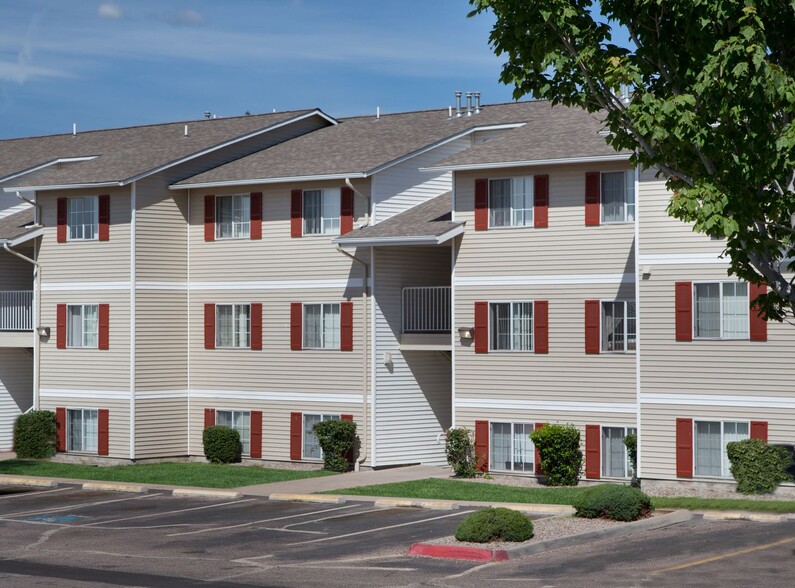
(630, 204)
(513, 447)
(236, 306)
(511, 334)
(720, 302)
(240, 229)
(94, 223)
(244, 441)
(512, 210)
(90, 450)
(323, 334)
(723, 442)
(329, 225)
(626, 303)
(627, 467)
(323, 417)
(70, 343)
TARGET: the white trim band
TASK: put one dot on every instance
(551, 280)
(279, 285)
(493, 403)
(719, 400)
(88, 394)
(682, 259)
(223, 395)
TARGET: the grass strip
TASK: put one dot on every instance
(171, 473)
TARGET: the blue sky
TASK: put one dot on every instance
(105, 63)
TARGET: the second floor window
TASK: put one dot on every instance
(233, 217)
(618, 197)
(511, 326)
(82, 328)
(83, 218)
(618, 326)
(321, 326)
(322, 211)
(511, 202)
(721, 310)
(233, 326)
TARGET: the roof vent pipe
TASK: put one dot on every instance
(449, 112)
(186, 130)
(469, 103)
(458, 103)
(377, 113)
(74, 129)
(477, 102)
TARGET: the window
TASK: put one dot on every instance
(618, 197)
(233, 325)
(82, 430)
(721, 310)
(322, 212)
(83, 218)
(82, 325)
(311, 445)
(618, 326)
(233, 217)
(711, 438)
(615, 457)
(322, 326)
(240, 421)
(511, 449)
(511, 202)
(511, 326)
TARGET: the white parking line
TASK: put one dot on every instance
(75, 506)
(160, 514)
(32, 493)
(341, 516)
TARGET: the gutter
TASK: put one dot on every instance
(37, 216)
(527, 163)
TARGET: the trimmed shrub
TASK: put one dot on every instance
(34, 434)
(758, 467)
(222, 444)
(495, 524)
(561, 458)
(461, 453)
(631, 443)
(337, 439)
(612, 501)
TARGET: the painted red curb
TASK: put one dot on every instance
(453, 552)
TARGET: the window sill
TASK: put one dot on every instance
(217, 238)
(82, 348)
(512, 351)
(719, 339)
(318, 235)
(512, 227)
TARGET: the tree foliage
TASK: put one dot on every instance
(712, 86)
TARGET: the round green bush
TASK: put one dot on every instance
(758, 467)
(461, 452)
(612, 501)
(222, 444)
(561, 458)
(495, 524)
(337, 439)
(34, 434)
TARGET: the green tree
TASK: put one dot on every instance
(709, 102)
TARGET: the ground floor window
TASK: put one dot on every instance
(615, 457)
(240, 421)
(82, 430)
(311, 445)
(711, 438)
(511, 448)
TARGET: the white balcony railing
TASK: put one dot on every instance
(426, 309)
(16, 310)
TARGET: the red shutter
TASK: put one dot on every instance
(759, 430)
(296, 216)
(104, 219)
(541, 326)
(60, 429)
(541, 202)
(593, 458)
(346, 326)
(209, 326)
(346, 211)
(593, 197)
(482, 445)
(209, 417)
(481, 205)
(103, 434)
(256, 215)
(104, 326)
(481, 327)
(256, 434)
(256, 326)
(60, 326)
(62, 222)
(296, 326)
(209, 218)
(296, 434)
(592, 344)
(539, 469)
(684, 448)
(683, 295)
(758, 323)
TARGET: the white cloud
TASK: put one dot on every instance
(110, 11)
(20, 72)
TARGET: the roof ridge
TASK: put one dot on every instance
(445, 109)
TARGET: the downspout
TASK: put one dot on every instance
(36, 320)
(37, 217)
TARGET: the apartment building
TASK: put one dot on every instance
(498, 270)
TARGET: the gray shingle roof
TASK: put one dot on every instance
(125, 152)
(16, 225)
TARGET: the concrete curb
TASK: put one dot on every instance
(455, 552)
(741, 515)
(318, 498)
(527, 508)
(25, 481)
(115, 487)
(206, 493)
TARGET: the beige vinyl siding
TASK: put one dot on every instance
(118, 419)
(161, 231)
(566, 247)
(161, 427)
(15, 273)
(413, 398)
(16, 390)
(161, 340)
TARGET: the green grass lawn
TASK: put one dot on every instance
(441, 489)
(176, 474)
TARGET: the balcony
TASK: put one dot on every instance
(426, 319)
(16, 318)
